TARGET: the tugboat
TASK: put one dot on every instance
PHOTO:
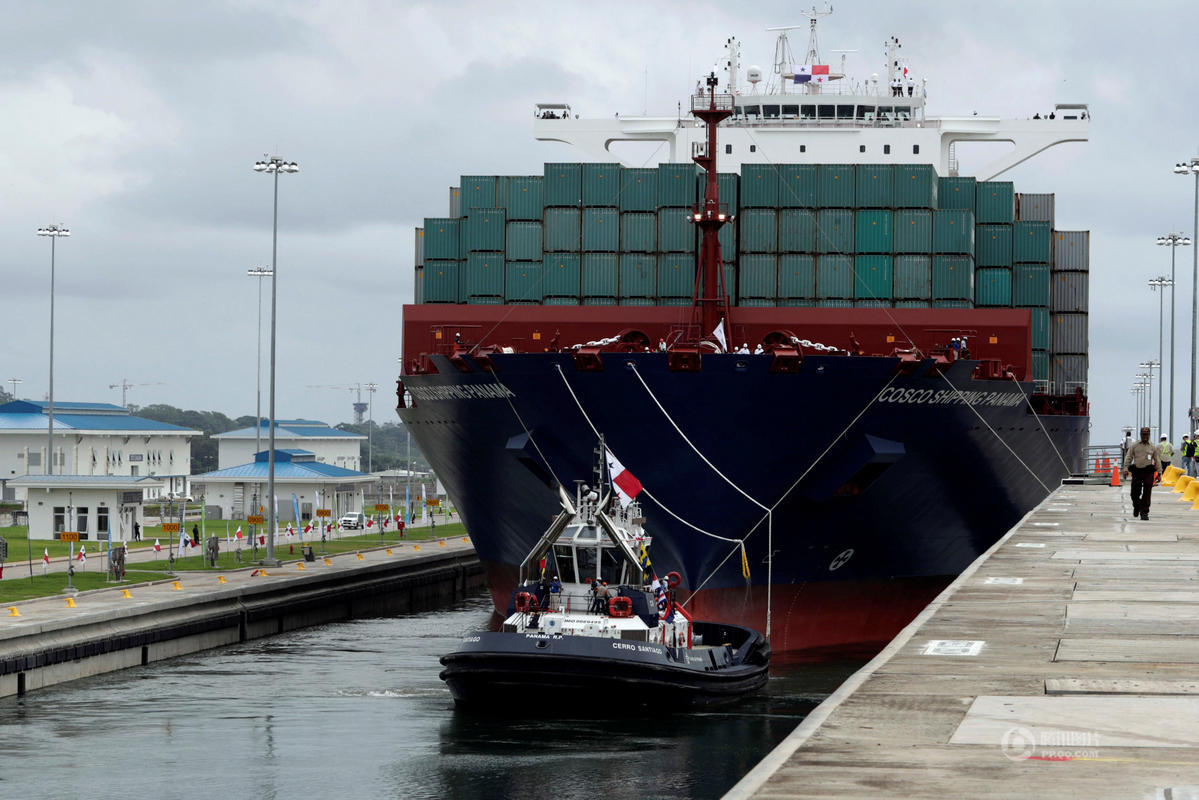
(590, 617)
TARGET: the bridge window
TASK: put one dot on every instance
(903, 112)
(865, 112)
(790, 111)
(753, 111)
(844, 112)
(770, 112)
(807, 112)
(827, 112)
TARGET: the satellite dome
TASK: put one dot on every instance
(754, 74)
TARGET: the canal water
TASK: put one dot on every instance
(356, 710)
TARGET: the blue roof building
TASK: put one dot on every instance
(326, 444)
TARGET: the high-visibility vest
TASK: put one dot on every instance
(1167, 451)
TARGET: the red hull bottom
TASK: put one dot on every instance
(812, 621)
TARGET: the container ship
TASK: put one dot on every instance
(840, 369)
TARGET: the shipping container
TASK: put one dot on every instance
(676, 231)
(639, 189)
(874, 186)
(638, 275)
(482, 276)
(418, 248)
(638, 301)
(485, 300)
(1068, 334)
(1068, 372)
(561, 230)
(759, 276)
(523, 197)
(913, 303)
(953, 304)
(834, 276)
(953, 278)
(915, 186)
(797, 276)
(956, 193)
(1032, 243)
(873, 277)
(1071, 250)
(609, 301)
(523, 241)
(913, 278)
(836, 185)
(728, 184)
(639, 232)
(1030, 285)
(797, 230)
(798, 185)
(483, 230)
(601, 275)
(601, 184)
(953, 232)
(561, 275)
(834, 303)
(601, 229)
(478, 191)
(834, 231)
(993, 245)
(442, 239)
(1034, 208)
(800, 302)
(758, 302)
(439, 281)
(523, 282)
(674, 301)
(730, 282)
(728, 241)
(455, 202)
(565, 301)
(872, 231)
(1070, 292)
(758, 228)
(676, 275)
(1039, 328)
(1040, 364)
(759, 186)
(869, 303)
(676, 184)
(994, 202)
(914, 231)
(562, 184)
(992, 287)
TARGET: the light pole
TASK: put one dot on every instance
(1160, 282)
(259, 273)
(53, 231)
(1143, 384)
(14, 382)
(273, 165)
(1184, 168)
(1173, 241)
(1152, 365)
(370, 425)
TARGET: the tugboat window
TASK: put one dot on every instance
(586, 559)
(565, 564)
(610, 569)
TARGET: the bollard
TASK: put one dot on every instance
(388, 551)
(125, 593)
(360, 556)
(177, 587)
(416, 547)
(328, 562)
(299, 566)
(12, 611)
(220, 579)
(71, 602)
(466, 540)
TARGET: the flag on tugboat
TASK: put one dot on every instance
(643, 557)
(624, 482)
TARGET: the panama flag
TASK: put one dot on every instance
(157, 547)
(817, 73)
(626, 485)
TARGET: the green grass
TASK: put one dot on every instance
(52, 583)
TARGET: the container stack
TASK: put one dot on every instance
(1069, 335)
(1031, 287)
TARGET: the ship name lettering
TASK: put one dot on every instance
(623, 646)
(473, 391)
(950, 397)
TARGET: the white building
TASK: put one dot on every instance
(92, 439)
(327, 445)
(99, 508)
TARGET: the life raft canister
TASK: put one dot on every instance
(524, 601)
(620, 607)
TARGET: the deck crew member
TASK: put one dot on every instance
(1141, 460)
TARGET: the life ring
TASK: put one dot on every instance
(673, 579)
(524, 602)
(620, 606)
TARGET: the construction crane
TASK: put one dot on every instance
(125, 386)
(360, 407)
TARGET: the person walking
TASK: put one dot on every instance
(1188, 455)
(1140, 462)
(1167, 456)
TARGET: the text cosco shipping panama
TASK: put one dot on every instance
(949, 397)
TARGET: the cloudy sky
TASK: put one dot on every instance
(136, 125)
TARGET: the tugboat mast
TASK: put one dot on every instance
(710, 300)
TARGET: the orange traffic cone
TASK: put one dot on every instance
(1115, 477)
(1098, 463)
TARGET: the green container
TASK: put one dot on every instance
(759, 230)
(482, 276)
(730, 281)
(601, 274)
(676, 275)
(728, 241)
(872, 231)
(562, 184)
(873, 276)
(638, 275)
(442, 238)
(956, 193)
(601, 229)
(727, 186)
(993, 287)
(797, 276)
(874, 186)
(561, 230)
(759, 276)
(523, 197)
(953, 278)
(834, 276)
(639, 189)
(797, 230)
(478, 191)
(913, 278)
(601, 184)
(798, 185)
(834, 231)
(836, 185)
(993, 245)
(676, 231)
(523, 241)
(1031, 285)
(953, 232)
(1040, 328)
(522, 283)
(483, 230)
(759, 186)
(676, 184)
(995, 202)
(639, 232)
(1040, 365)
(561, 273)
(914, 231)
(915, 186)
(440, 279)
(1032, 243)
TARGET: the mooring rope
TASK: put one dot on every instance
(1042, 424)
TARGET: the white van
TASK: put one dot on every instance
(355, 520)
